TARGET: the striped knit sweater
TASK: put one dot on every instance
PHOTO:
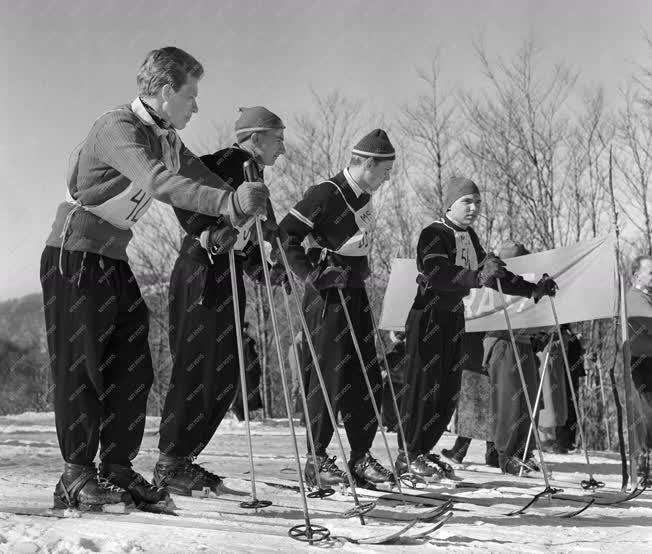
(121, 148)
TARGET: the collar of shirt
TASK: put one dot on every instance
(647, 293)
(353, 184)
(147, 114)
(261, 167)
(449, 223)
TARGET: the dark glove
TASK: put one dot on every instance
(278, 277)
(492, 268)
(545, 287)
(252, 198)
(221, 239)
(330, 278)
(270, 231)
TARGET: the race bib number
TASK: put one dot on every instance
(123, 210)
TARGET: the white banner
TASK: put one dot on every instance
(586, 272)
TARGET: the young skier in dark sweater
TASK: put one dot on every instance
(450, 261)
(333, 217)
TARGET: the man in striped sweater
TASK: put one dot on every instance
(96, 319)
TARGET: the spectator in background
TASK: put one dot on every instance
(396, 361)
(512, 421)
(567, 433)
(640, 332)
(474, 358)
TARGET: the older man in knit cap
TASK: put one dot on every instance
(332, 221)
(96, 318)
(205, 372)
(450, 262)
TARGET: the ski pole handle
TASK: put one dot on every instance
(252, 175)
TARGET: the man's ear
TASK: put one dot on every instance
(369, 163)
(166, 92)
(255, 139)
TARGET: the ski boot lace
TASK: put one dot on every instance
(329, 466)
(375, 464)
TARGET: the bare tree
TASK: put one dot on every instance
(519, 127)
(634, 162)
(430, 131)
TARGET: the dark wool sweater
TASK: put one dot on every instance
(323, 213)
(443, 277)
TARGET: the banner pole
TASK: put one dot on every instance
(627, 378)
(612, 373)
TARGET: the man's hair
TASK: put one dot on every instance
(166, 66)
(636, 263)
(359, 160)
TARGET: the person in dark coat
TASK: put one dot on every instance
(639, 296)
(203, 344)
(328, 242)
(450, 262)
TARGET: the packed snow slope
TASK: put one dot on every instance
(30, 465)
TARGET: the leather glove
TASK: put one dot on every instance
(545, 287)
(219, 239)
(252, 198)
(278, 277)
(270, 231)
(492, 268)
(330, 278)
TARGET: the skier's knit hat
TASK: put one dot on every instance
(375, 145)
(511, 249)
(254, 120)
(456, 187)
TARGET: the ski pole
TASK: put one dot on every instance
(359, 509)
(254, 502)
(544, 370)
(410, 479)
(548, 490)
(307, 531)
(363, 368)
(591, 482)
(321, 492)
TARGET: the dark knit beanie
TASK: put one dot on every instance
(511, 249)
(375, 145)
(456, 188)
(254, 120)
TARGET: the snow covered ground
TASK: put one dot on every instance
(30, 466)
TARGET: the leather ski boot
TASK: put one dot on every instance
(179, 475)
(329, 473)
(146, 496)
(446, 470)
(367, 471)
(419, 465)
(79, 487)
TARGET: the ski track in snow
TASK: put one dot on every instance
(30, 465)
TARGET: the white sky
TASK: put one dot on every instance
(66, 62)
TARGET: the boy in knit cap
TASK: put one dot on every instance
(205, 372)
(327, 247)
(96, 318)
(450, 262)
